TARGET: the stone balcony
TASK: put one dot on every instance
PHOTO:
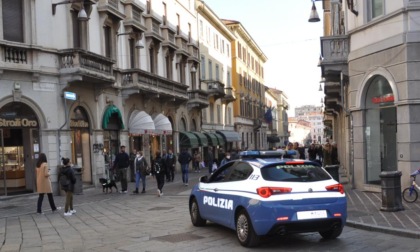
(229, 96)
(85, 66)
(197, 99)
(215, 88)
(151, 85)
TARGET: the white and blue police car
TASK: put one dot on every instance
(263, 193)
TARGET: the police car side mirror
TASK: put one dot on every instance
(204, 179)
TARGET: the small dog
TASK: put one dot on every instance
(107, 184)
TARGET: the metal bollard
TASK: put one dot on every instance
(391, 191)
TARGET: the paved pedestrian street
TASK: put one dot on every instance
(146, 222)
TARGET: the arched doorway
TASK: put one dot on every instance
(80, 128)
(380, 130)
(19, 148)
(112, 123)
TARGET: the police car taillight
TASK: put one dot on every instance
(336, 187)
(266, 192)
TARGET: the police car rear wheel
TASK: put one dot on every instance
(332, 233)
(195, 214)
(244, 230)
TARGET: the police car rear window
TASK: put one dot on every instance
(294, 173)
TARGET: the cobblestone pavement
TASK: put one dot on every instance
(102, 220)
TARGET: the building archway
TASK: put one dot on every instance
(19, 147)
(380, 132)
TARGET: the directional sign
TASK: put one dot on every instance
(70, 96)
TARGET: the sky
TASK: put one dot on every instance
(291, 44)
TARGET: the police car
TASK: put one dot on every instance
(263, 194)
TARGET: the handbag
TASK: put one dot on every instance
(148, 170)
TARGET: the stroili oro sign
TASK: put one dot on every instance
(18, 123)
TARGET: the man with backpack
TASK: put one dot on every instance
(121, 164)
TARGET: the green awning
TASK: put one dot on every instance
(220, 139)
(188, 140)
(109, 112)
(229, 136)
(202, 139)
(212, 139)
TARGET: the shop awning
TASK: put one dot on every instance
(202, 139)
(220, 140)
(273, 139)
(212, 139)
(109, 112)
(140, 123)
(229, 136)
(188, 140)
(162, 124)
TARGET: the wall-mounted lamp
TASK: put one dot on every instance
(98, 147)
(314, 14)
(82, 15)
(139, 43)
(320, 83)
(193, 69)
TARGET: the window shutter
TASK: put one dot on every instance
(12, 20)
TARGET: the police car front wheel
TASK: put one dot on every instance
(244, 230)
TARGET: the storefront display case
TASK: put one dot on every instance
(12, 163)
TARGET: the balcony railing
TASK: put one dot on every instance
(198, 99)
(215, 88)
(14, 54)
(334, 49)
(85, 63)
(147, 82)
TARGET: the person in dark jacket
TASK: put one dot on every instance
(184, 159)
(121, 164)
(312, 151)
(68, 171)
(210, 160)
(140, 167)
(158, 171)
(170, 165)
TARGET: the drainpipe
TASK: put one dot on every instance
(351, 129)
(59, 132)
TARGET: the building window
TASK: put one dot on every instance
(210, 70)
(201, 29)
(204, 115)
(376, 8)
(217, 72)
(168, 63)
(107, 41)
(132, 52)
(228, 79)
(211, 106)
(219, 114)
(12, 13)
(229, 116)
(203, 67)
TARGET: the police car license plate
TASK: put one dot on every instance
(305, 215)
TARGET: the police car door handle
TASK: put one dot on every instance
(215, 189)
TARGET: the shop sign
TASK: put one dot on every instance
(79, 124)
(383, 98)
(18, 122)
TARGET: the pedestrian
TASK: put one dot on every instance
(226, 159)
(184, 159)
(140, 167)
(334, 154)
(196, 161)
(43, 183)
(68, 173)
(121, 164)
(312, 151)
(164, 156)
(170, 165)
(133, 155)
(326, 154)
(210, 159)
(159, 173)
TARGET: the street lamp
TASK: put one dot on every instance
(82, 15)
(314, 14)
